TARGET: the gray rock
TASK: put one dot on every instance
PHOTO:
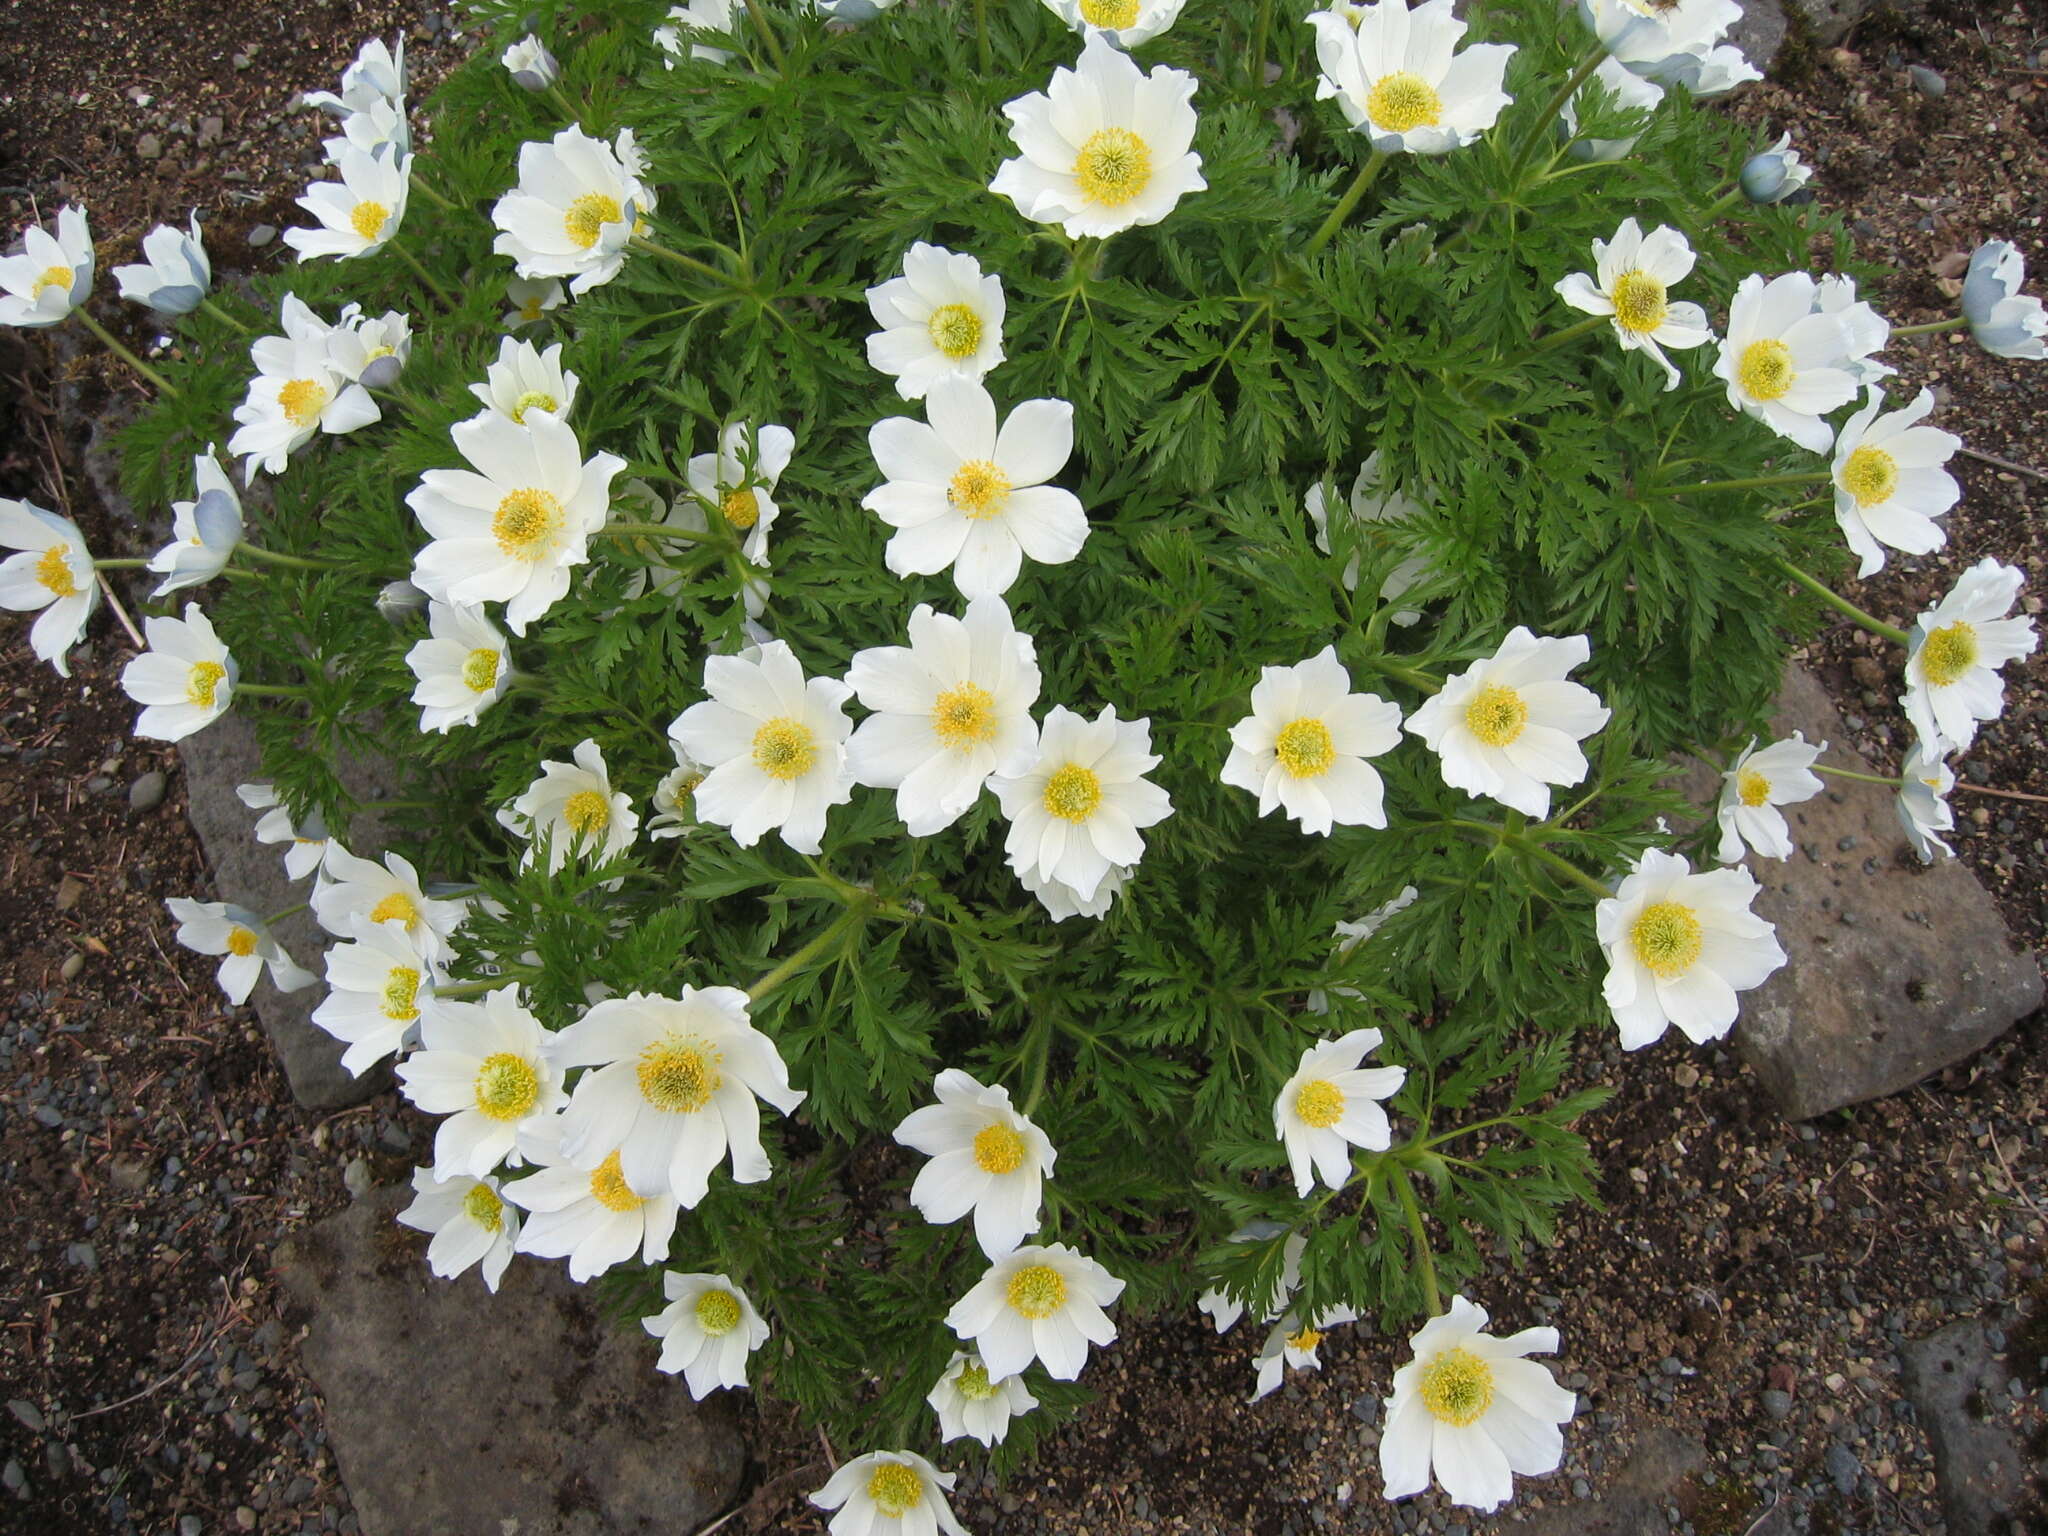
(261, 235)
(1843, 1469)
(28, 1413)
(453, 1410)
(147, 792)
(1777, 1404)
(1765, 24)
(1635, 1502)
(1955, 1383)
(149, 146)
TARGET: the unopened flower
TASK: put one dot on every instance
(1925, 781)
(531, 298)
(1397, 79)
(1304, 746)
(707, 1330)
(358, 213)
(1754, 786)
(573, 809)
(376, 75)
(1125, 23)
(698, 18)
(590, 1216)
(51, 277)
(2005, 322)
(184, 681)
(1352, 934)
(470, 1223)
(1372, 501)
(1474, 1410)
(889, 1493)
(1291, 1345)
(943, 318)
(1774, 174)
(1104, 146)
(299, 389)
(1509, 727)
(1061, 901)
(578, 201)
(486, 1066)
(1626, 90)
(1038, 1303)
(1679, 947)
(307, 840)
(388, 894)
(985, 1158)
(968, 1403)
(1224, 1310)
(462, 667)
(530, 64)
(370, 352)
(378, 987)
(1890, 485)
(524, 379)
(674, 810)
(1635, 275)
(1332, 1104)
(1785, 361)
(1955, 652)
(53, 572)
(243, 941)
(204, 530)
(739, 481)
(1076, 812)
(174, 273)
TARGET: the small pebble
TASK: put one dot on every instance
(262, 235)
(147, 792)
(1778, 1404)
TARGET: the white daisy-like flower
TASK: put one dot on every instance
(1104, 146)
(470, 1223)
(950, 709)
(590, 1216)
(1635, 273)
(1925, 781)
(697, 18)
(204, 531)
(1755, 785)
(1331, 1105)
(1038, 1303)
(1626, 89)
(1352, 934)
(675, 1088)
(1955, 652)
(2004, 321)
(965, 494)
(358, 213)
(673, 801)
(1890, 485)
(1785, 361)
(530, 65)
(51, 277)
(1509, 727)
(576, 206)
(1474, 1410)
(462, 667)
(53, 572)
(969, 1404)
(1372, 502)
(1865, 328)
(1224, 1310)
(889, 1493)
(376, 75)
(1397, 77)
(775, 745)
(298, 390)
(1304, 746)
(1679, 947)
(531, 298)
(1677, 42)
(510, 530)
(245, 944)
(1773, 174)
(1076, 813)
(369, 351)
(184, 681)
(738, 482)
(573, 809)
(1126, 23)
(985, 1158)
(388, 894)
(378, 988)
(379, 129)
(707, 1330)
(524, 379)
(486, 1066)
(1061, 901)
(307, 841)
(174, 273)
(943, 318)
(1291, 1345)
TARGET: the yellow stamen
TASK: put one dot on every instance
(785, 748)
(52, 277)
(1305, 1340)
(1949, 653)
(678, 1076)
(1667, 939)
(956, 328)
(1037, 1291)
(1639, 305)
(895, 1489)
(1114, 15)
(401, 993)
(585, 218)
(1073, 793)
(587, 812)
(718, 1313)
(998, 1149)
(529, 310)
(480, 669)
(1304, 748)
(396, 908)
(302, 401)
(1402, 101)
(1765, 372)
(483, 1207)
(1319, 1103)
(1752, 788)
(973, 1384)
(507, 1087)
(1456, 1386)
(609, 1188)
(1114, 166)
(964, 717)
(203, 682)
(741, 508)
(979, 489)
(241, 941)
(534, 400)
(1497, 715)
(525, 522)
(368, 220)
(1870, 475)
(53, 571)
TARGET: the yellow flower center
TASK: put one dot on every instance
(679, 1076)
(241, 941)
(956, 329)
(302, 401)
(396, 908)
(895, 1489)
(529, 309)
(1037, 1291)
(1114, 166)
(1666, 938)
(534, 400)
(1949, 652)
(52, 277)
(53, 570)
(203, 682)
(1073, 793)
(979, 489)
(368, 219)
(1870, 475)
(1765, 372)
(1456, 1386)
(1319, 1103)
(998, 1149)
(1752, 788)
(480, 670)
(973, 1384)
(589, 214)
(785, 748)
(1304, 748)
(587, 812)
(1305, 1340)
(963, 717)
(525, 522)
(1497, 715)
(376, 352)
(507, 1087)
(608, 1187)
(741, 508)
(1638, 300)
(718, 1313)
(1402, 101)
(401, 993)
(482, 1206)
(1112, 14)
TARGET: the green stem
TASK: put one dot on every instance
(703, 268)
(1414, 677)
(107, 338)
(272, 690)
(516, 973)
(1541, 128)
(278, 917)
(775, 44)
(1861, 778)
(1346, 203)
(1424, 1259)
(657, 531)
(1259, 32)
(1834, 599)
(1954, 322)
(1572, 332)
(122, 564)
(1466, 1130)
(569, 108)
(850, 918)
(1722, 205)
(297, 562)
(981, 36)
(1752, 483)
(1514, 840)
(1041, 1041)
(421, 184)
(422, 274)
(222, 315)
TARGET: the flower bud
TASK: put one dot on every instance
(2006, 322)
(533, 67)
(174, 272)
(399, 601)
(1774, 174)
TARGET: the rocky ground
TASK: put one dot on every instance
(1741, 1318)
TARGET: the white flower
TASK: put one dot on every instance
(738, 481)
(1635, 273)
(1331, 1105)
(985, 1158)
(1061, 901)
(530, 298)
(674, 809)
(707, 1330)
(380, 128)
(1865, 328)
(184, 681)
(1224, 1309)
(53, 572)
(511, 531)
(1673, 41)
(387, 894)
(1396, 77)
(376, 76)
(1509, 727)
(1369, 502)
(968, 1403)
(1473, 1409)
(965, 494)
(951, 708)
(699, 16)
(577, 203)
(590, 1216)
(1956, 650)
(1786, 362)
(378, 987)
(1774, 174)
(775, 745)
(572, 808)
(486, 1066)
(370, 352)
(1679, 947)
(2006, 322)
(1924, 784)
(51, 277)
(1304, 745)
(1755, 785)
(1076, 812)
(469, 1220)
(1889, 481)
(675, 1087)
(530, 64)
(204, 531)
(1627, 91)
(462, 667)
(240, 936)
(1352, 934)
(943, 318)
(1126, 23)
(174, 272)
(298, 390)
(1104, 146)
(1291, 1345)
(524, 379)
(1038, 1303)
(358, 213)
(889, 1493)
(308, 842)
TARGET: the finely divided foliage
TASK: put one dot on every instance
(1029, 662)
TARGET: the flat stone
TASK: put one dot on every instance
(147, 792)
(1634, 1503)
(1957, 1387)
(1765, 24)
(450, 1409)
